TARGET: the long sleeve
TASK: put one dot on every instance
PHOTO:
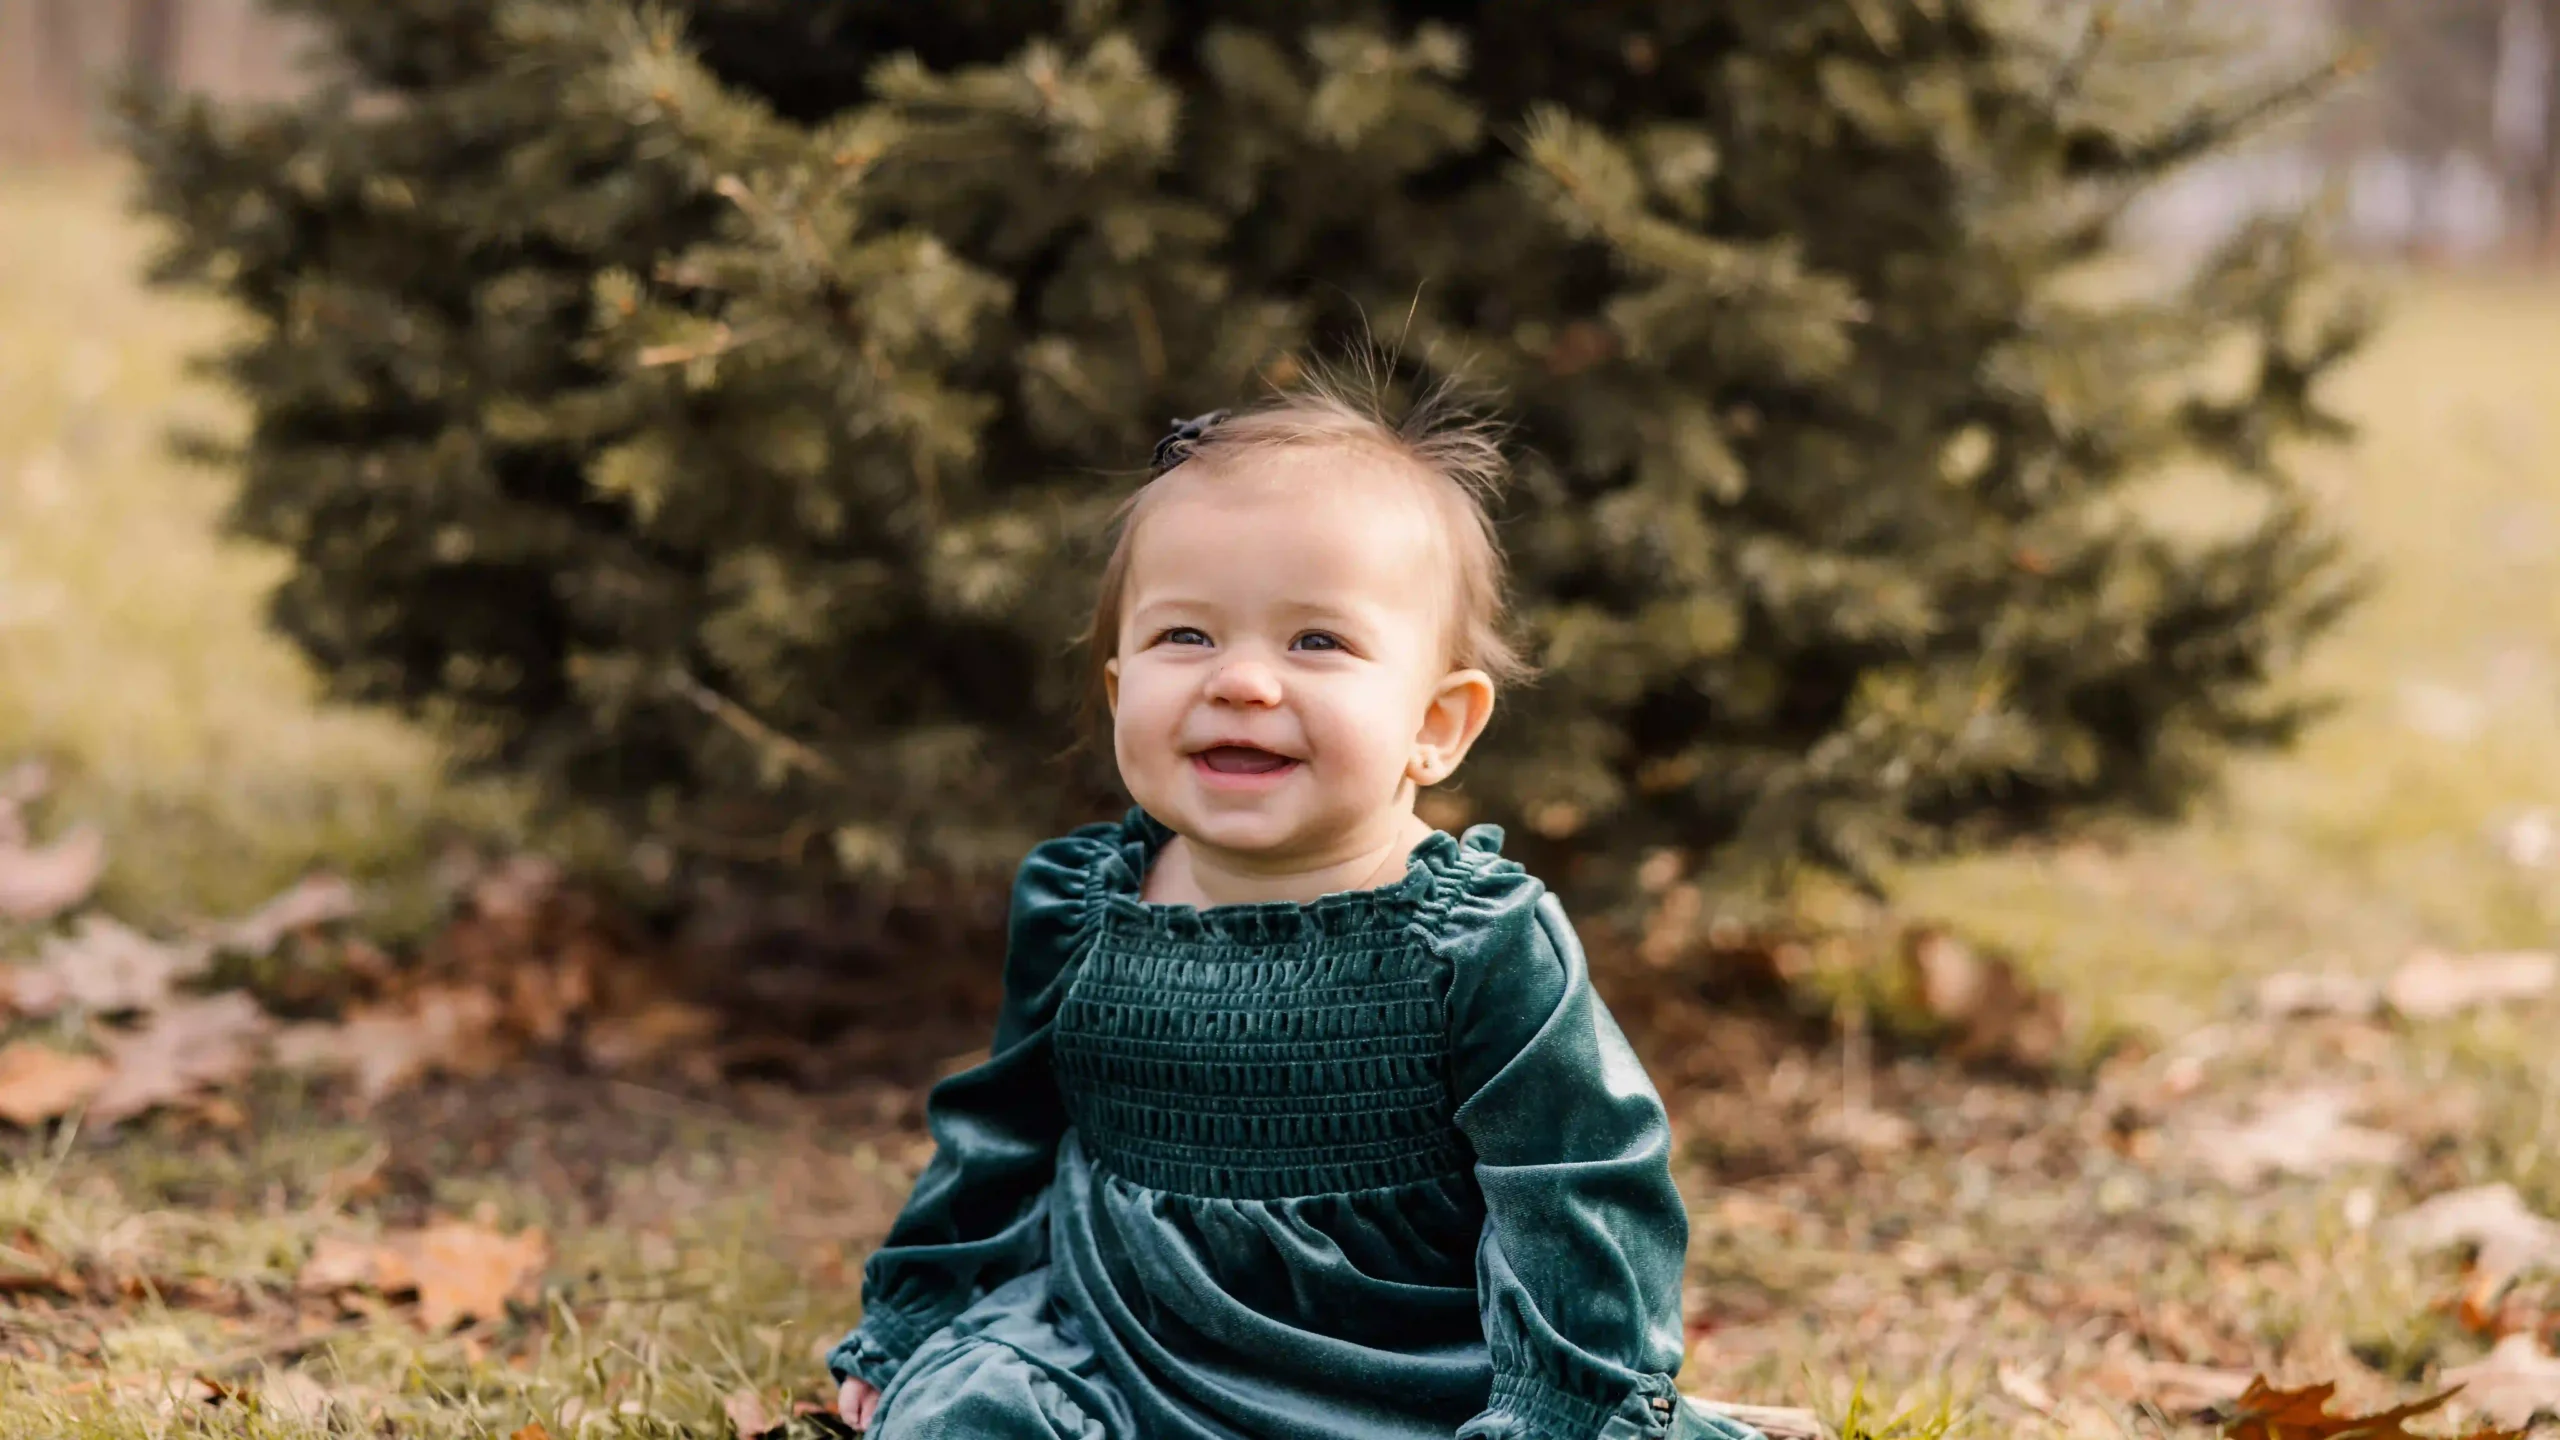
(1578, 1272)
(978, 1215)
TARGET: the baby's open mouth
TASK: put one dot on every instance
(1243, 760)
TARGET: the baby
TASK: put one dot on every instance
(1301, 1118)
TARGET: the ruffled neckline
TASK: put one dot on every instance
(1434, 864)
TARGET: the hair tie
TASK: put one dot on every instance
(1175, 448)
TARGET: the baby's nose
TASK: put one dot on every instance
(1245, 682)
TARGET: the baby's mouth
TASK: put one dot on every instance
(1243, 760)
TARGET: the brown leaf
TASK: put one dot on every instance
(2266, 1413)
(104, 967)
(2302, 1134)
(39, 1083)
(747, 1414)
(2023, 1387)
(192, 1046)
(448, 1028)
(2509, 1239)
(463, 1270)
(458, 1270)
(614, 1042)
(339, 1263)
(37, 884)
(2516, 1382)
(312, 901)
(2430, 986)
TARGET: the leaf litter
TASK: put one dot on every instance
(1894, 1245)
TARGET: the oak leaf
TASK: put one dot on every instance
(186, 1049)
(104, 968)
(2516, 1382)
(39, 1083)
(2264, 1412)
(463, 1271)
(2507, 1238)
(311, 901)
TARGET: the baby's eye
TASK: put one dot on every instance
(1318, 640)
(1183, 635)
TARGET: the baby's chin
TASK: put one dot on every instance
(1261, 826)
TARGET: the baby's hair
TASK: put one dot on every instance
(1455, 449)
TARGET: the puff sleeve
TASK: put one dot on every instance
(1578, 1270)
(978, 1215)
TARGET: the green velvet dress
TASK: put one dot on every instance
(1379, 1166)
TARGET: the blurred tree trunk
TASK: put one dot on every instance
(2546, 188)
(151, 40)
(57, 55)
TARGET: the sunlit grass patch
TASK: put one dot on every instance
(132, 651)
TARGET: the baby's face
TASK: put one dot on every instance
(1280, 649)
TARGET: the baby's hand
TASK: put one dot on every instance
(855, 1401)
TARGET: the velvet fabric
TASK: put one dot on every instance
(1379, 1165)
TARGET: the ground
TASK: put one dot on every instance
(2088, 1252)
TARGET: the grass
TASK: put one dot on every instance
(1904, 1286)
(2381, 832)
(132, 656)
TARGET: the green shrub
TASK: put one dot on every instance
(710, 410)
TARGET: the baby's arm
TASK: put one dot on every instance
(1579, 1269)
(979, 1214)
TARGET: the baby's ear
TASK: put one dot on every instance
(1460, 706)
(1111, 684)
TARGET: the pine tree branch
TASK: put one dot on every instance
(764, 737)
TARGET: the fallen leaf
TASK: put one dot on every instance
(105, 968)
(338, 1262)
(747, 1414)
(2026, 1389)
(2430, 985)
(2508, 1237)
(2516, 1382)
(293, 1395)
(448, 1028)
(189, 1047)
(39, 1083)
(2294, 993)
(462, 1270)
(2302, 1134)
(615, 1042)
(311, 901)
(2266, 1413)
(39, 883)
(533, 1431)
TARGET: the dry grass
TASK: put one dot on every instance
(131, 651)
(2011, 1226)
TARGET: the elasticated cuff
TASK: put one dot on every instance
(1524, 1407)
(875, 1349)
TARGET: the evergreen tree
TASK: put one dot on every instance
(711, 409)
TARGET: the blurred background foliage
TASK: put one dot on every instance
(706, 413)
(700, 414)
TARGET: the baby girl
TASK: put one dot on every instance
(1301, 1118)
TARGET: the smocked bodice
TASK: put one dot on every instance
(1207, 1066)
